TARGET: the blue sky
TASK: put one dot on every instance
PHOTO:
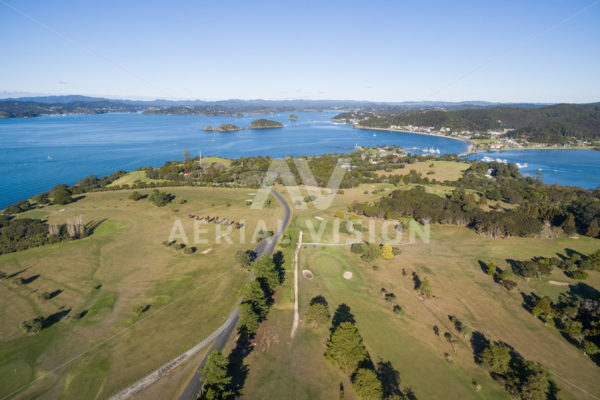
(363, 50)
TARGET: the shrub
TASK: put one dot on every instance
(398, 310)
(45, 296)
(260, 235)
(33, 326)
(160, 199)
(42, 198)
(317, 314)
(179, 246)
(19, 207)
(491, 268)
(62, 196)
(387, 252)
(189, 250)
(578, 274)
(508, 284)
(135, 196)
(142, 308)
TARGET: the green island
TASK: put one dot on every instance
(293, 117)
(265, 124)
(498, 301)
(223, 128)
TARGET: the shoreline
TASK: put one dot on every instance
(472, 145)
(532, 148)
(417, 133)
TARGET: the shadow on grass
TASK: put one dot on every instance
(91, 226)
(342, 314)
(390, 382)
(237, 370)
(54, 318)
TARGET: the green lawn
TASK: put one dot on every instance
(281, 367)
(124, 264)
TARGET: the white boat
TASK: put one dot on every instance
(525, 165)
(487, 159)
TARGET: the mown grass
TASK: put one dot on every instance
(296, 368)
(440, 170)
(124, 264)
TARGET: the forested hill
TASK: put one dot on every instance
(16, 108)
(547, 124)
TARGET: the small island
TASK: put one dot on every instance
(223, 128)
(293, 117)
(265, 124)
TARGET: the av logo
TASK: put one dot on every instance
(280, 169)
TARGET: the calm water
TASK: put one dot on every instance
(39, 153)
(565, 167)
(79, 145)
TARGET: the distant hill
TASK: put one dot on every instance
(69, 104)
(548, 124)
(17, 108)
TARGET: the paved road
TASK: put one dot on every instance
(263, 247)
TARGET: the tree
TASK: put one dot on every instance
(543, 308)
(244, 258)
(62, 196)
(425, 288)
(569, 225)
(42, 198)
(387, 252)
(214, 375)
(593, 229)
(264, 269)
(491, 268)
(366, 385)
(249, 319)
(345, 348)
(135, 196)
(317, 314)
(535, 384)
(34, 325)
(160, 199)
(590, 347)
(496, 359)
(255, 296)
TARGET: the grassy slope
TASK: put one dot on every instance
(297, 369)
(441, 170)
(125, 256)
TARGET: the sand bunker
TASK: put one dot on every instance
(307, 274)
(347, 275)
(207, 251)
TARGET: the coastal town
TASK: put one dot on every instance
(479, 141)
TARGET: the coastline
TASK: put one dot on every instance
(532, 148)
(470, 144)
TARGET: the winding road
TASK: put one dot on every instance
(220, 336)
(263, 247)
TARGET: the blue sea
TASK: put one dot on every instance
(565, 167)
(39, 153)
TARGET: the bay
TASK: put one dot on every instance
(39, 153)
